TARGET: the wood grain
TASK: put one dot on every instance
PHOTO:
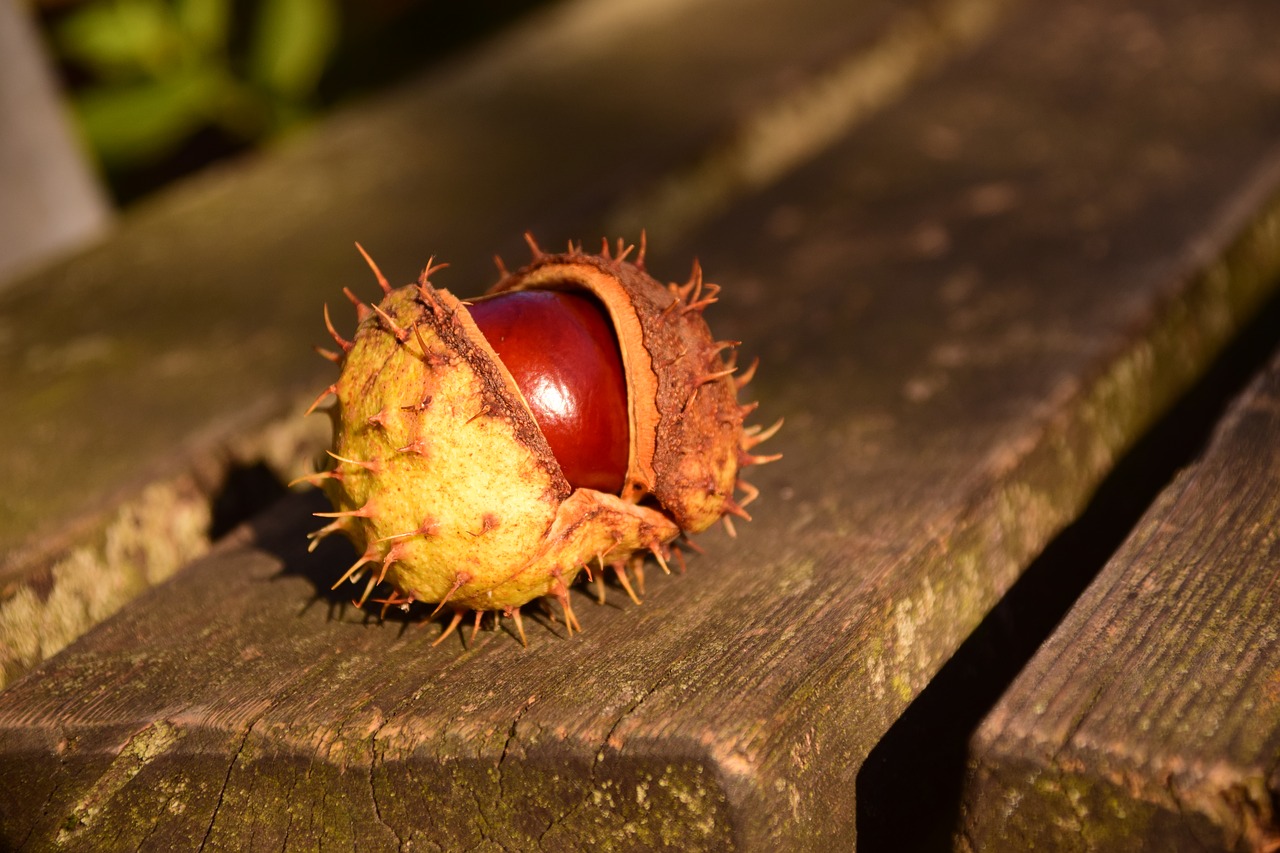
(1151, 718)
(181, 347)
(203, 306)
(965, 310)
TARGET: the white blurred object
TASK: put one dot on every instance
(50, 198)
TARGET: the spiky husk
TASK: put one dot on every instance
(444, 483)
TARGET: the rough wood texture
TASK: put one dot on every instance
(205, 304)
(966, 310)
(1151, 719)
(139, 363)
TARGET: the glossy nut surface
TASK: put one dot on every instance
(581, 416)
(561, 350)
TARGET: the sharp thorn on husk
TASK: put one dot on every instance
(719, 374)
(453, 623)
(377, 273)
(701, 304)
(754, 435)
(373, 467)
(362, 512)
(418, 447)
(367, 589)
(561, 593)
(362, 310)
(570, 620)
(393, 600)
(458, 580)
(317, 478)
(734, 508)
(401, 333)
(393, 555)
(721, 346)
(329, 529)
(662, 561)
(370, 555)
(745, 459)
(623, 252)
(693, 395)
(332, 389)
(620, 571)
(426, 353)
(693, 287)
(533, 246)
(424, 278)
(333, 332)
(514, 613)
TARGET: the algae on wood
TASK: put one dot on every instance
(1150, 720)
(965, 310)
(160, 357)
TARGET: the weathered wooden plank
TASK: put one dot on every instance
(966, 310)
(1150, 720)
(140, 362)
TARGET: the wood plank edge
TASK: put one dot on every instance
(1036, 490)
(53, 594)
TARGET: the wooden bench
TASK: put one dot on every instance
(979, 248)
(1151, 718)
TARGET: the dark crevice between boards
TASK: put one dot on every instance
(909, 788)
(247, 490)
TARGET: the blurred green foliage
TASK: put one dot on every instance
(159, 71)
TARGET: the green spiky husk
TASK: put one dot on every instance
(442, 480)
(447, 487)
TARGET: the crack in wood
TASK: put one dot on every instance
(590, 789)
(226, 781)
(506, 746)
(373, 788)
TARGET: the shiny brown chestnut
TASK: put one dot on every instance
(564, 357)
(462, 484)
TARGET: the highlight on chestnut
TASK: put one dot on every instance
(562, 353)
(578, 418)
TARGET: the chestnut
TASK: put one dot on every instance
(579, 417)
(561, 351)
